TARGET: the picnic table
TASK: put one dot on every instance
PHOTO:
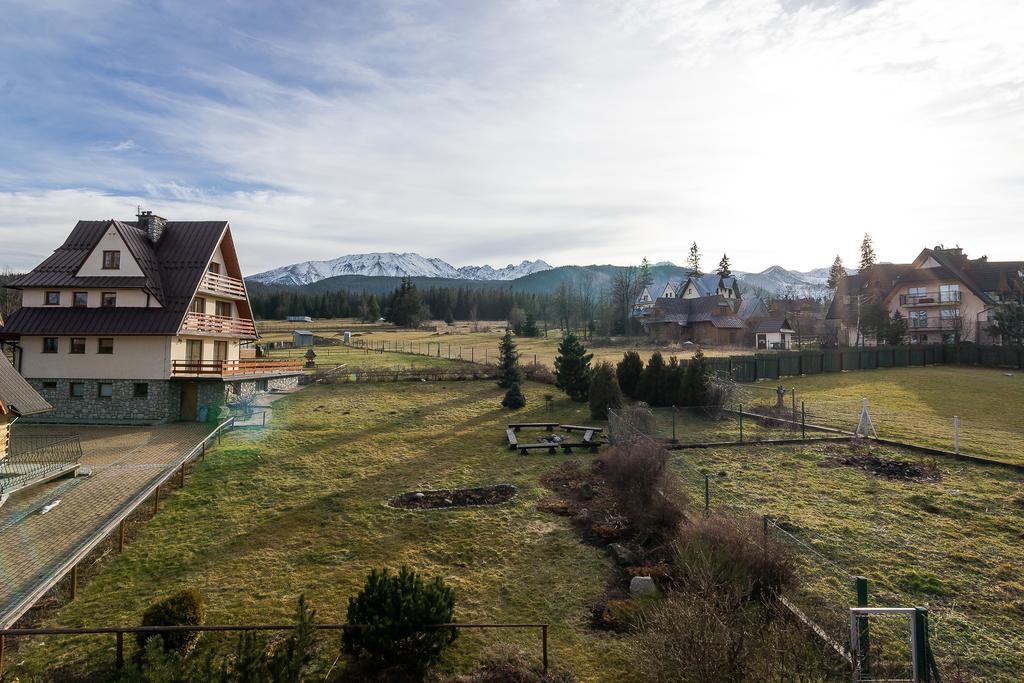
(549, 426)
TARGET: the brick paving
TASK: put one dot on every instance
(123, 461)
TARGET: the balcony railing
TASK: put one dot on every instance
(228, 368)
(34, 460)
(930, 299)
(207, 323)
(935, 324)
(222, 285)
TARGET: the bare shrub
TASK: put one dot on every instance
(537, 372)
(731, 555)
(704, 637)
(645, 488)
(722, 392)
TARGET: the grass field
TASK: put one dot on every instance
(952, 545)
(918, 404)
(300, 508)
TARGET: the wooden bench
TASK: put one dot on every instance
(549, 426)
(588, 443)
(580, 428)
(551, 447)
(513, 441)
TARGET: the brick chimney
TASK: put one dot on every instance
(153, 225)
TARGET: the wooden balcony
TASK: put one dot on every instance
(207, 323)
(222, 285)
(233, 368)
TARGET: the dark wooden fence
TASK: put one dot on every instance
(750, 368)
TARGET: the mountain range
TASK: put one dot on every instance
(381, 272)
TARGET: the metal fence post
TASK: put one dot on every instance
(956, 434)
(741, 424)
(921, 670)
(803, 421)
(674, 440)
(863, 662)
(544, 645)
(120, 650)
(707, 493)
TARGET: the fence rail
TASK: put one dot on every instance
(36, 459)
(10, 613)
(120, 631)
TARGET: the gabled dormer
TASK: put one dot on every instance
(110, 257)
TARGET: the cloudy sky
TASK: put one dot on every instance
(574, 131)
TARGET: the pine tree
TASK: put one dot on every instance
(696, 382)
(867, 254)
(651, 380)
(836, 274)
(644, 277)
(604, 391)
(693, 261)
(628, 372)
(896, 330)
(724, 267)
(514, 399)
(508, 361)
(530, 328)
(572, 368)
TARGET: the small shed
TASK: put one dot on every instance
(17, 398)
(298, 319)
(775, 334)
(301, 338)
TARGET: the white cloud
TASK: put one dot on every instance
(579, 132)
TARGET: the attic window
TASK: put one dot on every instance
(112, 260)
(214, 267)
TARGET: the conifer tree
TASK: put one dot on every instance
(572, 368)
(836, 274)
(628, 372)
(508, 361)
(514, 399)
(604, 391)
(696, 382)
(724, 267)
(867, 254)
(693, 261)
(652, 380)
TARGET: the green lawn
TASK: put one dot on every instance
(953, 545)
(301, 509)
(918, 405)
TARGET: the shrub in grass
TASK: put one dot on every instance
(511, 664)
(514, 399)
(732, 552)
(604, 391)
(628, 373)
(572, 368)
(395, 611)
(184, 608)
(645, 489)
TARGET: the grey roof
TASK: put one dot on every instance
(302, 332)
(17, 397)
(172, 268)
(750, 307)
(883, 276)
(707, 285)
(774, 325)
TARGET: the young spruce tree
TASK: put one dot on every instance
(572, 368)
(508, 361)
(604, 391)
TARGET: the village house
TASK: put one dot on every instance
(706, 309)
(139, 322)
(774, 334)
(943, 295)
(17, 399)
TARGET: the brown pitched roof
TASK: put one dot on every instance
(17, 397)
(883, 276)
(714, 309)
(172, 270)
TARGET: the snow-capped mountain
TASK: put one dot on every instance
(392, 265)
(777, 280)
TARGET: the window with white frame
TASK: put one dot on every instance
(949, 293)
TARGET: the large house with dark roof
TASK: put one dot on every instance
(705, 309)
(139, 322)
(942, 294)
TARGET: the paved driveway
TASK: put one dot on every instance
(123, 461)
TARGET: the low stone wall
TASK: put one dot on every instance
(160, 405)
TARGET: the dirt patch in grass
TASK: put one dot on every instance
(454, 498)
(855, 455)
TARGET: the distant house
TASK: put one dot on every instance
(942, 294)
(709, 285)
(774, 334)
(139, 322)
(703, 320)
(302, 338)
(299, 319)
(17, 399)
